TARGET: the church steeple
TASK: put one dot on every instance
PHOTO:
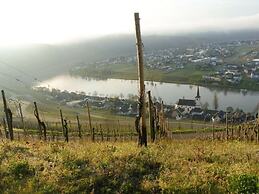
(197, 97)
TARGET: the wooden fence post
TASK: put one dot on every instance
(9, 117)
(142, 110)
(101, 131)
(5, 129)
(22, 119)
(79, 126)
(213, 131)
(41, 124)
(66, 130)
(151, 117)
(227, 125)
(108, 134)
(62, 122)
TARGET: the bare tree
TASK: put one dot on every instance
(216, 101)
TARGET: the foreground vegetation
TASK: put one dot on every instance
(190, 166)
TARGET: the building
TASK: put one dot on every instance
(189, 104)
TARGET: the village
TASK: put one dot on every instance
(183, 109)
(208, 59)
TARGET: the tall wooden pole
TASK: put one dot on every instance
(79, 126)
(62, 121)
(151, 117)
(162, 120)
(36, 114)
(8, 115)
(227, 124)
(140, 60)
(90, 122)
(22, 120)
(5, 130)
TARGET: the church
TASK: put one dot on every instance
(190, 106)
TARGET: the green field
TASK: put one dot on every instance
(129, 71)
(191, 166)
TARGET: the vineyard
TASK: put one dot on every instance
(186, 166)
(47, 148)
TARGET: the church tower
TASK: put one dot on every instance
(198, 97)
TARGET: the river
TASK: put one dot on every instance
(169, 92)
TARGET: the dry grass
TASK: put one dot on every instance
(190, 166)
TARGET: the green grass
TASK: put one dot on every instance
(191, 166)
(129, 71)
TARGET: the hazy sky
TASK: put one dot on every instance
(54, 21)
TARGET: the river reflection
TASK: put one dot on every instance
(169, 92)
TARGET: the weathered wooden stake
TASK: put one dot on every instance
(227, 125)
(213, 131)
(162, 119)
(66, 130)
(79, 127)
(9, 117)
(151, 117)
(5, 129)
(41, 124)
(142, 114)
(62, 122)
(22, 119)
(93, 134)
(108, 134)
(90, 122)
(101, 131)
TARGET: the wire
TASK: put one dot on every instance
(15, 78)
(19, 70)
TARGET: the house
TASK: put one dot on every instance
(218, 117)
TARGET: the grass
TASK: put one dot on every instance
(191, 166)
(129, 71)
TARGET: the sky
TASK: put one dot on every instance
(57, 21)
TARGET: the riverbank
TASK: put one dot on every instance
(189, 75)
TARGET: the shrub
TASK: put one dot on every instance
(245, 184)
(20, 169)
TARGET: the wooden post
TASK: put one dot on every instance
(139, 45)
(227, 124)
(5, 130)
(66, 130)
(162, 120)
(101, 131)
(36, 113)
(9, 117)
(22, 119)
(79, 126)
(90, 122)
(41, 124)
(93, 134)
(108, 134)
(62, 122)
(213, 131)
(151, 118)
(114, 134)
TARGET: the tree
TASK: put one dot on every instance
(215, 101)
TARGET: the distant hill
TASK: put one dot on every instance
(43, 61)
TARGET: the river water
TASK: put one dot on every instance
(169, 92)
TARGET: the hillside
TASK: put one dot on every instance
(46, 60)
(191, 166)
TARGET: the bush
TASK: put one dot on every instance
(245, 184)
(20, 169)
